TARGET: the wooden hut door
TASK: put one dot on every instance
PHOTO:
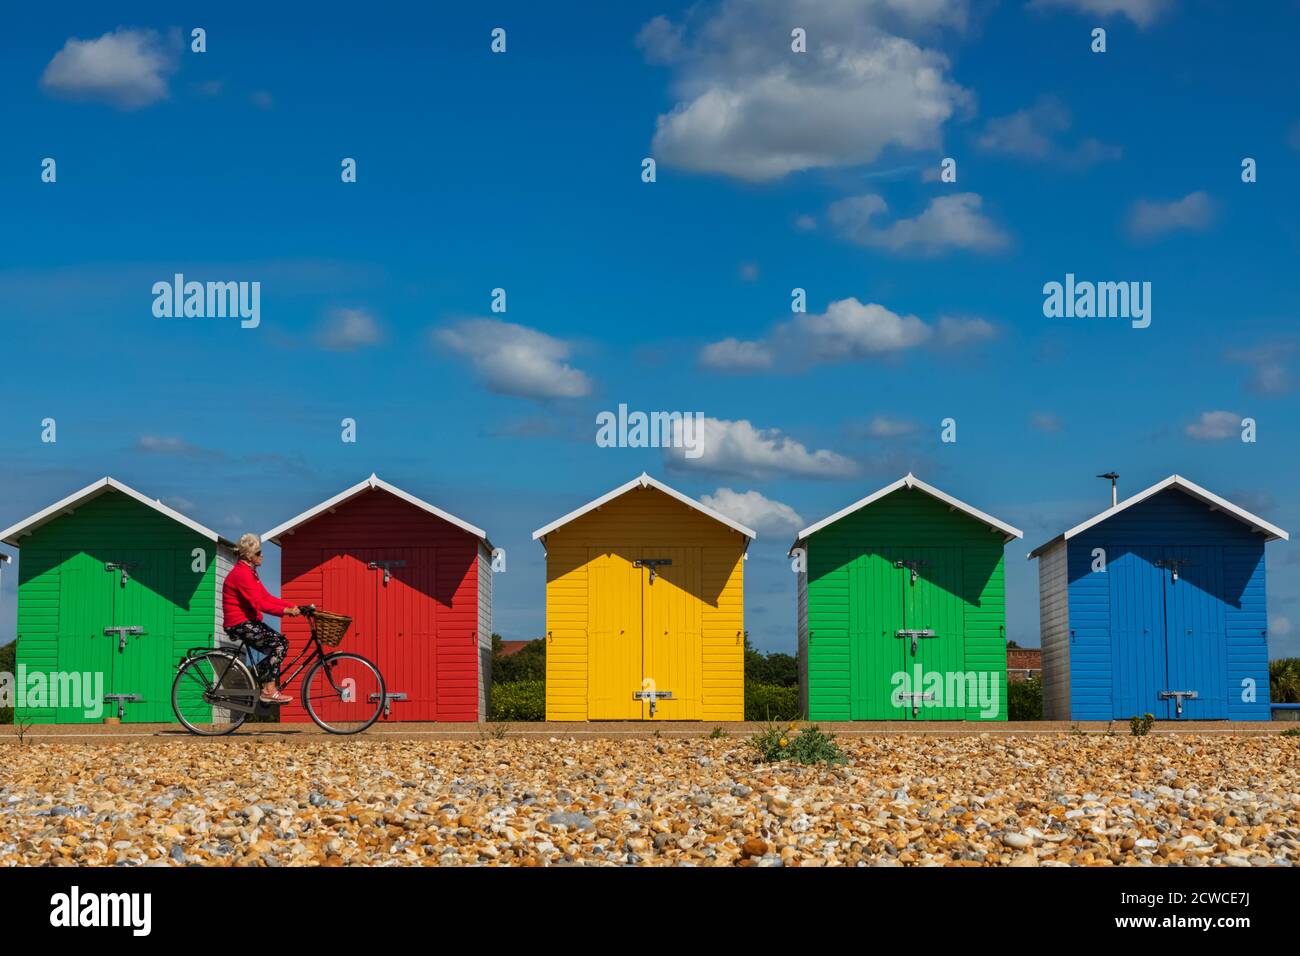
(614, 635)
(876, 655)
(85, 609)
(407, 631)
(1195, 632)
(1138, 665)
(674, 641)
(145, 665)
(934, 603)
(347, 587)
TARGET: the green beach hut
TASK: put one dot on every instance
(902, 610)
(113, 588)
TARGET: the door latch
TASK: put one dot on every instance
(654, 696)
(1173, 564)
(651, 563)
(388, 699)
(914, 634)
(122, 633)
(912, 566)
(387, 566)
(1179, 696)
(124, 566)
(914, 698)
(122, 701)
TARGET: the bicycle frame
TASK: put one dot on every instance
(312, 652)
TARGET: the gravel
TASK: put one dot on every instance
(899, 800)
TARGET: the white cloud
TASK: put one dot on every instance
(1214, 426)
(126, 68)
(1141, 12)
(734, 355)
(738, 448)
(346, 330)
(753, 510)
(1269, 366)
(847, 331)
(183, 505)
(1149, 218)
(166, 445)
(958, 333)
(1278, 625)
(882, 426)
(262, 100)
(748, 271)
(750, 108)
(805, 223)
(1031, 133)
(949, 222)
(1046, 422)
(515, 360)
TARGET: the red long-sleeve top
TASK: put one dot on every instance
(245, 598)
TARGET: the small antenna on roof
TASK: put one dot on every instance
(1114, 488)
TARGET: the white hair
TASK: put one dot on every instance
(249, 545)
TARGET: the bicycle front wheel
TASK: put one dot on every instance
(343, 693)
(213, 693)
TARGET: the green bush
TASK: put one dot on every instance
(1141, 726)
(1293, 732)
(776, 742)
(1025, 700)
(769, 702)
(1284, 680)
(517, 701)
(529, 663)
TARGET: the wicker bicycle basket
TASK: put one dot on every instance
(330, 628)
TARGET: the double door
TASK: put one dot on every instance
(906, 634)
(99, 665)
(1167, 633)
(645, 655)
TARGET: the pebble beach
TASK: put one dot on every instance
(1041, 800)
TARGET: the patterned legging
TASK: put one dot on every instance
(267, 640)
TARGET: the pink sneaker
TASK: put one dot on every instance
(279, 697)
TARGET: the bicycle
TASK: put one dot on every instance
(343, 692)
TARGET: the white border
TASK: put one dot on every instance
(1271, 531)
(11, 535)
(911, 481)
(644, 481)
(374, 482)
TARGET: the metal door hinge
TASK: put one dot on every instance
(654, 696)
(916, 709)
(387, 566)
(914, 634)
(388, 699)
(123, 566)
(653, 564)
(122, 701)
(121, 633)
(912, 566)
(1179, 696)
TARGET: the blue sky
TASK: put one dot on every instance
(775, 170)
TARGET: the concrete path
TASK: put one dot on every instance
(83, 733)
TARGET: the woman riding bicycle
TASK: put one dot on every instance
(244, 600)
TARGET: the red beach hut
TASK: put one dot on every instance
(417, 583)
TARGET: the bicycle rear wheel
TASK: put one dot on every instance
(215, 684)
(343, 693)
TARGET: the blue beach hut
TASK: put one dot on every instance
(1157, 606)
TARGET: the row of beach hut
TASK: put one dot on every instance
(1155, 605)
